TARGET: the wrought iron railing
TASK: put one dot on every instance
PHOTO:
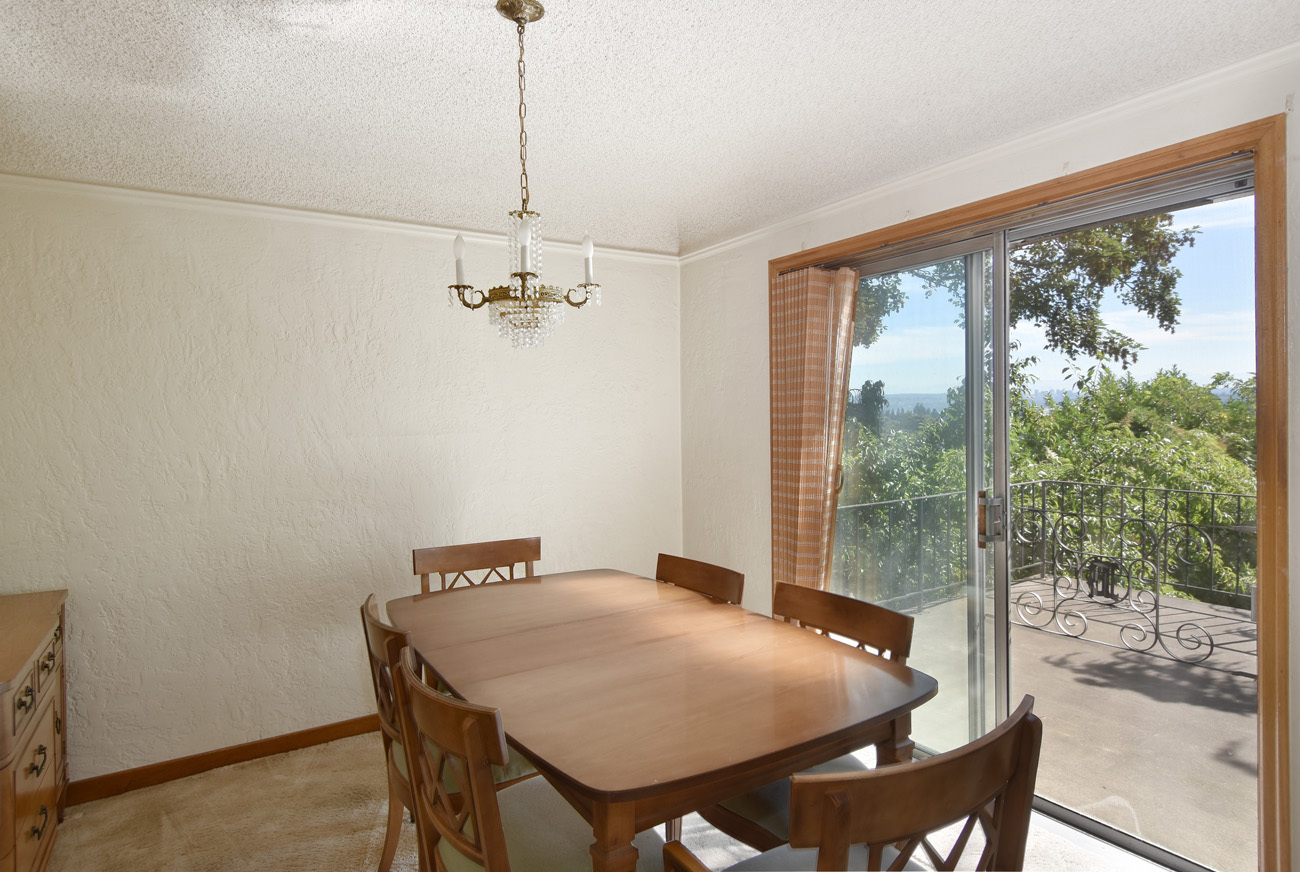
(1087, 560)
(903, 553)
(1198, 544)
(1125, 565)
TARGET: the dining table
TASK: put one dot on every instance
(642, 701)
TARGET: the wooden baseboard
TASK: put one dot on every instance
(101, 786)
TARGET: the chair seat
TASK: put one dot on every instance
(517, 766)
(545, 834)
(787, 859)
(769, 805)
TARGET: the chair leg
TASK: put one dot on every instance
(673, 830)
(395, 809)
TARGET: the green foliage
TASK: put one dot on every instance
(1167, 432)
(1059, 284)
(870, 406)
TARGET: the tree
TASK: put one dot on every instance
(1059, 284)
(870, 406)
(1167, 432)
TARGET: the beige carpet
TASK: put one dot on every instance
(323, 809)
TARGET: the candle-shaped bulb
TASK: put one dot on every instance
(458, 249)
(525, 245)
(588, 252)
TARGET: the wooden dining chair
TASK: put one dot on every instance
(463, 820)
(716, 582)
(879, 819)
(476, 562)
(720, 583)
(384, 645)
(761, 817)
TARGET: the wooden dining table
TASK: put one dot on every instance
(642, 701)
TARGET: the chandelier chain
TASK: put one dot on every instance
(523, 134)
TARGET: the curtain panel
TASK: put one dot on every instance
(811, 331)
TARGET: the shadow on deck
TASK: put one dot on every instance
(1139, 739)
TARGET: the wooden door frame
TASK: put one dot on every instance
(1266, 140)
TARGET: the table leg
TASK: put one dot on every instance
(899, 746)
(614, 826)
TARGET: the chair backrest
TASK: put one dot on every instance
(451, 746)
(454, 563)
(384, 644)
(989, 782)
(718, 582)
(870, 626)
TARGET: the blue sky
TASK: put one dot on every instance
(921, 348)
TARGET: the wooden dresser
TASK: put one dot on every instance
(33, 738)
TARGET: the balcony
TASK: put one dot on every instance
(1131, 624)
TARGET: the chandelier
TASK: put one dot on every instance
(525, 310)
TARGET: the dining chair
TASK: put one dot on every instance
(878, 819)
(463, 820)
(761, 817)
(725, 585)
(384, 645)
(454, 564)
(716, 582)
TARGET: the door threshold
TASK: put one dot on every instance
(1103, 846)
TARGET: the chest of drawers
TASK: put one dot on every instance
(33, 737)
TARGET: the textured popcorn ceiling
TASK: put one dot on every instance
(663, 126)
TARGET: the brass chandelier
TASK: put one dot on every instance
(525, 310)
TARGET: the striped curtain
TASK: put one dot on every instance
(811, 324)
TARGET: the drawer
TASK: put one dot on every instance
(47, 666)
(35, 825)
(24, 700)
(38, 759)
(36, 788)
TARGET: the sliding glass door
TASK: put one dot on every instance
(918, 473)
(1122, 563)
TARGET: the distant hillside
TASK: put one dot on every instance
(934, 403)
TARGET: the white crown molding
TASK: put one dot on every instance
(1151, 103)
(16, 181)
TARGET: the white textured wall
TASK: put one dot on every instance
(224, 425)
(725, 456)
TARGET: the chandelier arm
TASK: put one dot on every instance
(586, 297)
(466, 295)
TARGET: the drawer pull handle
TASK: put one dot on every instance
(58, 725)
(44, 754)
(58, 632)
(39, 832)
(26, 700)
(48, 663)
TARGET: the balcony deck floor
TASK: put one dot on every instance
(1160, 748)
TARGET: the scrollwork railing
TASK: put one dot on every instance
(1134, 561)
(1162, 571)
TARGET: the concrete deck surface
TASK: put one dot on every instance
(1161, 749)
(1164, 750)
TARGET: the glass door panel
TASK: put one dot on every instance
(918, 427)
